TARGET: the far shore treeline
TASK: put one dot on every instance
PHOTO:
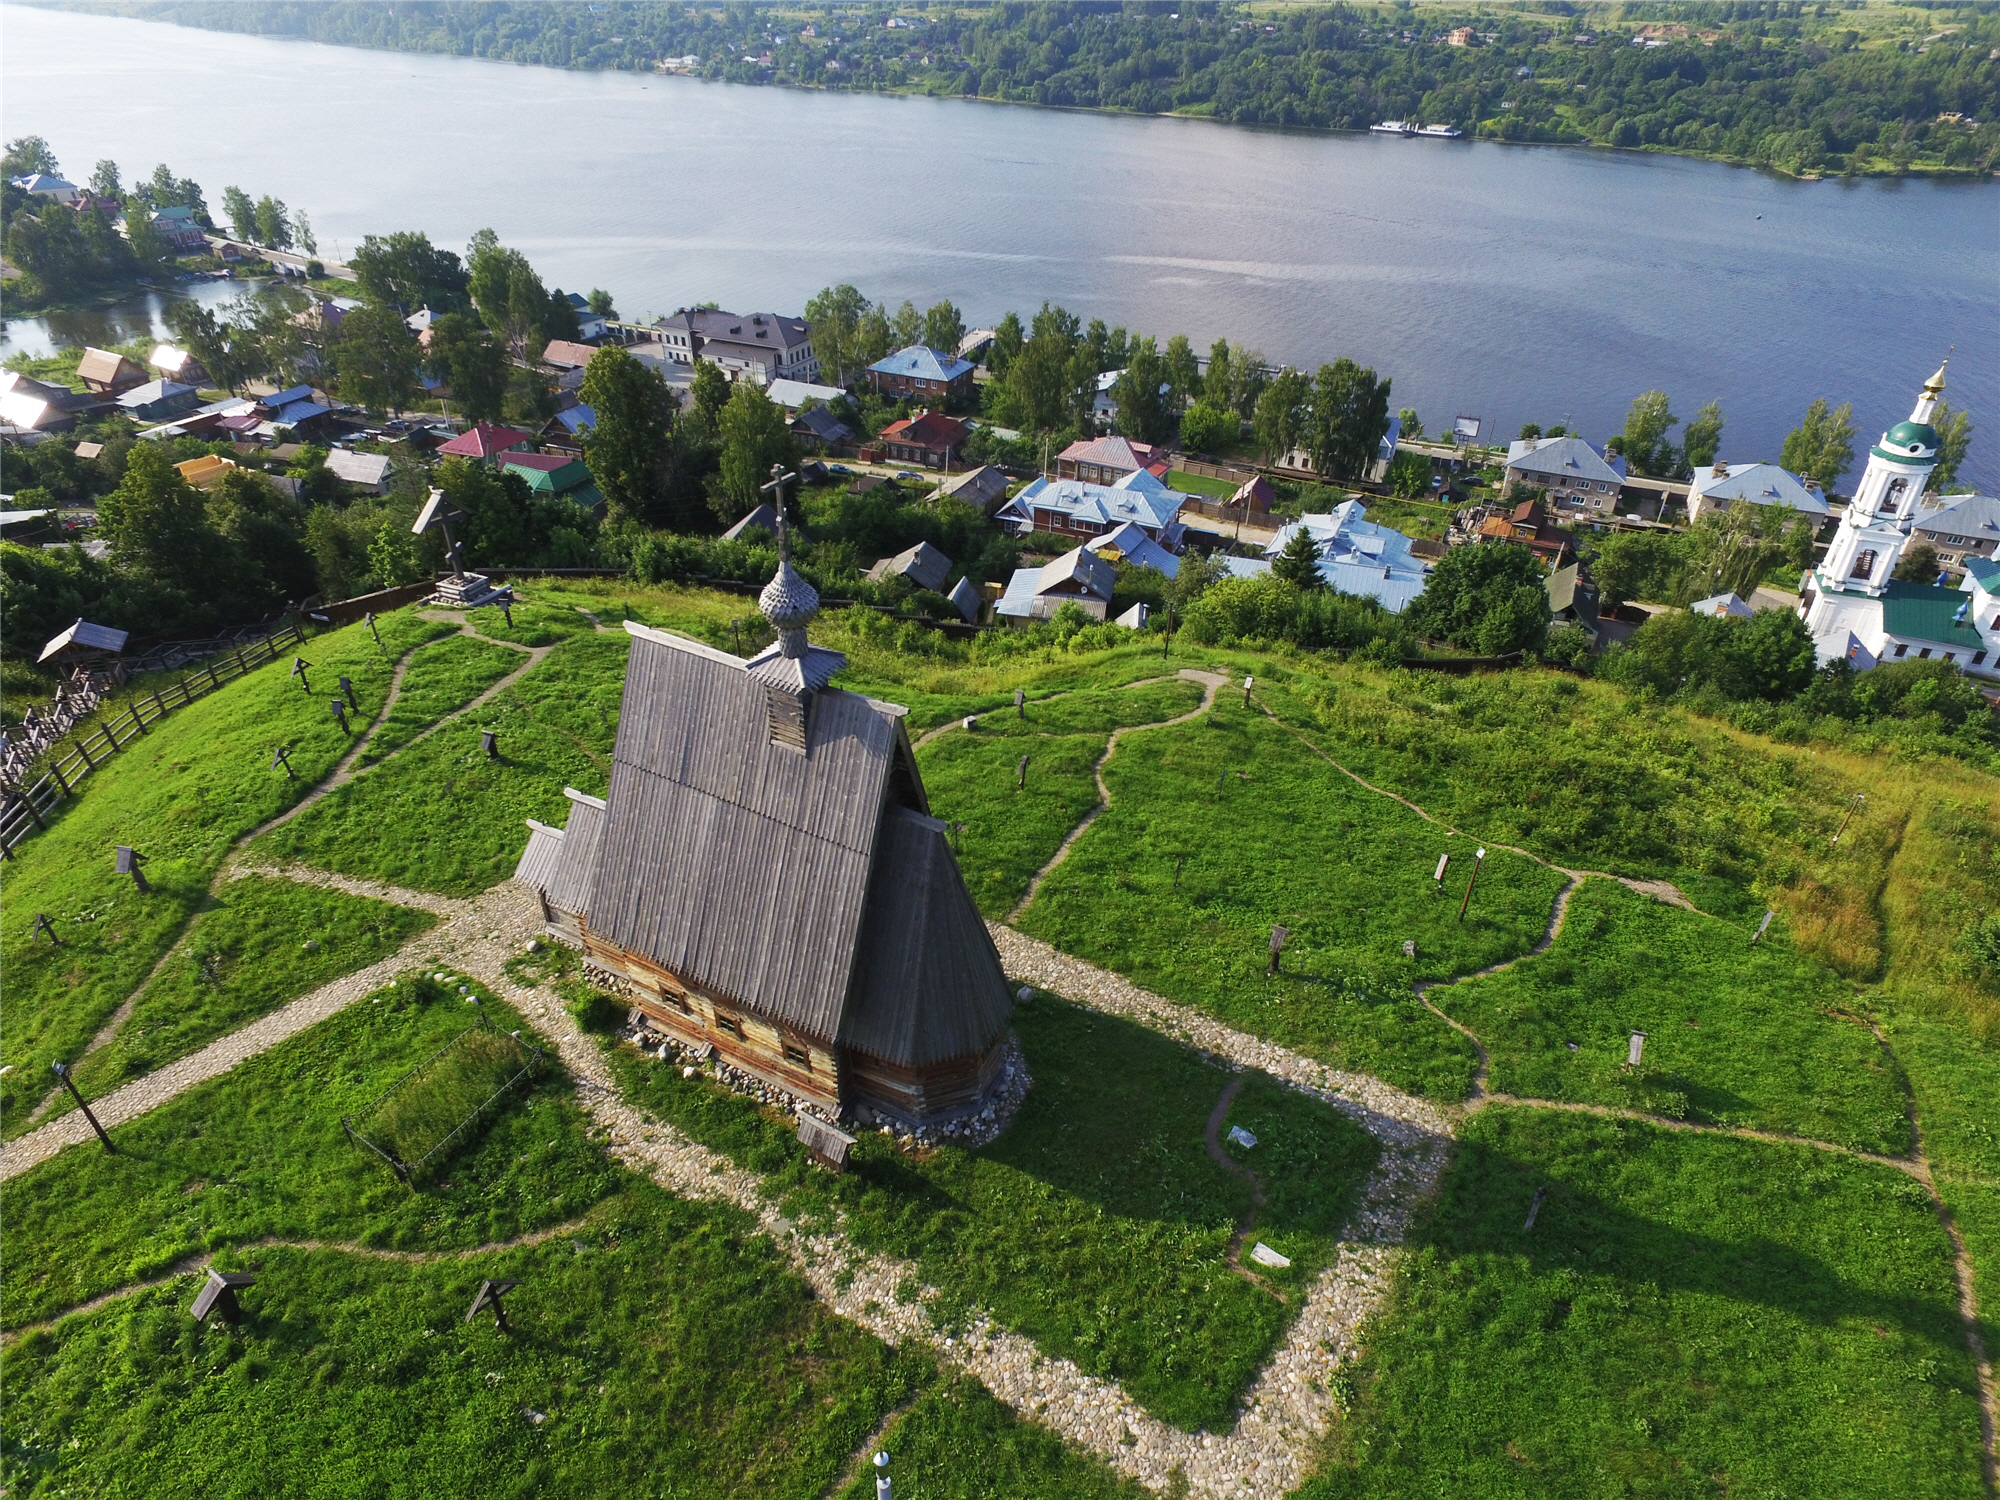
(1801, 88)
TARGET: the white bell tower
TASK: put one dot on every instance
(1876, 527)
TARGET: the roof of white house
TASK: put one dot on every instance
(792, 394)
(357, 468)
(1971, 516)
(43, 182)
(920, 363)
(1721, 604)
(1570, 457)
(1137, 497)
(1758, 483)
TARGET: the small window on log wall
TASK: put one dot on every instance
(799, 1055)
(729, 1025)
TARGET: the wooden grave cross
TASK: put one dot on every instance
(490, 1292)
(369, 620)
(299, 665)
(347, 690)
(280, 758)
(1759, 933)
(339, 709)
(45, 928)
(1534, 1208)
(490, 743)
(1020, 704)
(1021, 775)
(128, 864)
(1278, 936)
(219, 1296)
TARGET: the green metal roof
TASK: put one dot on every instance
(1924, 612)
(1908, 435)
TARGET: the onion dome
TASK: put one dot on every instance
(788, 601)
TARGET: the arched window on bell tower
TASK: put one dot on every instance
(1892, 498)
(1864, 565)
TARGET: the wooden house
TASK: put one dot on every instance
(764, 878)
(105, 372)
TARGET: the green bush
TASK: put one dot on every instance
(596, 1011)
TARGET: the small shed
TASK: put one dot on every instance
(158, 400)
(923, 564)
(205, 471)
(984, 487)
(83, 643)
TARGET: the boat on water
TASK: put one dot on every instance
(1441, 132)
(1393, 127)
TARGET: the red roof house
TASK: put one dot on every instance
(928, 438)
(484, 440)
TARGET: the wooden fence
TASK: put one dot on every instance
(23, 812)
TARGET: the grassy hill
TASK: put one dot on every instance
(1695, 1310)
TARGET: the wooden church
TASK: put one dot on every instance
(765, 877)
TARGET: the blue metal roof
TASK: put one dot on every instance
(920, 363)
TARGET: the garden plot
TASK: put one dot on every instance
(441, 678)
(1690, 1315)
(1098, 1226)
(197, 782)
(1735, 1034)
(1223, 828)
(1014, 824)
(445, 817)
(262, 944)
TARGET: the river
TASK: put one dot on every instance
(1504, 282)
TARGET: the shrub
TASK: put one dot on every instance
(595, 1011)
(1208, 429)
(1488, 598)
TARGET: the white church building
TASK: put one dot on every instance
(1852, 606)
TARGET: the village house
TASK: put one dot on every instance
(486, 441)
(169, 363)
(157, 400)
(1359, 556)
(1129, 544)
(367, 471)
(1574, 473)
(983, 488)
(822, 432)
(922, 373)
(1962, 528)
(549, 475)
(764, 346)
(929, 438)
(1527, 523)
(106, 373)
(47, 185)
(1107, 460)
(1717, 486)
(923, 565)
(1076, 508)
(794, 395)
(1081, 578)
(763, 519)
(565, 431)
(206, 471)
(1722, 606)
(589, 325)
(763, 880)
(567, 354)
(34, 406)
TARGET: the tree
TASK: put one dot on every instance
(1297, 561)
(1954, 430)
(274, 225)
(1282, 412)
(196, 329)
(464, 356)
(1143, 412)
(1007, 342)
(376, 358)
(158, 525)
(148, 246)
(169, 191)
(1530, 431)
(302, 231)
(1183, 372)
(1350, 417)
(392, 556)
(630, 450)
(268, 530)
(1489, 598)
(833, 316)
(709, 395)
(600, 303)
(1918, 564)
(241, 212)
(909, 325)
(104, 180)
(1209, 429)
(1218, 386)
(1822, 446)
(1702, 437)
(405, 271)
(1645, 442)
(1412, 425)
(27, 155)
(1637, 565)
(1038, 392)
(944, 328)
(513, 301)
(873, 337)
(754, 437)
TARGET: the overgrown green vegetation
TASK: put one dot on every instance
(426, 1111)
(260, 1152)
(181, 795)
(262, 943)
(442, 678)
(1012, 830)
(444, 817)
(1097, 1225)
(1735, 1035)
(1221, 829)
(1804, 91)
(1690, 1314)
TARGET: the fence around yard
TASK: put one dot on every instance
(24, 811)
